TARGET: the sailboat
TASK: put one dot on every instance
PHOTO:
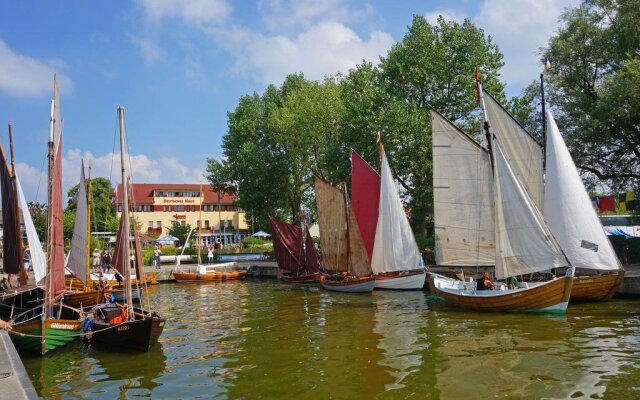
(472, 187)
(123, 326)
(598, 271)
(396, 260)
(206, 273)
(585, 243)
(19, 298)
(54, 324)
(295, 252)
(78, 262)
(343, 253)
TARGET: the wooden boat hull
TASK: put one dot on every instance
(84, 299)
(157, 323)
(286, 276)
(552, 296)
(136, 335)
(411, 280)
(58, 333)
(349, 284)
(595, 287)
(209, 277)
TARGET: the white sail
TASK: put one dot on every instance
(462, 197)
(78, 257)
(38, 259)
(524, 243)
(568, 209)
(395, 247)
(523, 153)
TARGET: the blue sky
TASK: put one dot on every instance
(178, 66)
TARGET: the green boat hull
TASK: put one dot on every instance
(54, 339)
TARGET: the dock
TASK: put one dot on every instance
(13, 378)
(263, 269)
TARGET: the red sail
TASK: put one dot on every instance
(287, 245)
(365, 198)
(11, 249)
(56, 236)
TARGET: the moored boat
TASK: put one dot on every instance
(210, 273)
(295, 253)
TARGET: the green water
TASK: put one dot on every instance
(260, 339)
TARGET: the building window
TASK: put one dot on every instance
(146, 208)
(119, 207)
(174, 223)
(179, 208)
(183, 223)
(151, 224)
(159, 224)
(206, 223)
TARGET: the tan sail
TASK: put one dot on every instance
(332, 220)
(358, 258)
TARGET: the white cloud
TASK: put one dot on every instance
(448, 14)
(198, 12)
(321, 50)
(279, 15)
(26, 76)
(150, 51)
(521, 28)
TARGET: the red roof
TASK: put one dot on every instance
(143, 192)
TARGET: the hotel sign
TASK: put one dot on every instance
(178, 201)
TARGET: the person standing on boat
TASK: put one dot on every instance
(156, 257)
(95, 259)
(485, 283)
(26, 259)
(210, 255)
(106, 261)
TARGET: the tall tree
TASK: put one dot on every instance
(103, 212)
(592, 88)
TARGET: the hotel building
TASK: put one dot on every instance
(157, 207)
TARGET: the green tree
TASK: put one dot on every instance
(39, 215)
(592, 88)
(180, 231)
(103, 212)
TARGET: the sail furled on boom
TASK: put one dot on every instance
(568, 209)
(78, 256)
(463, 198)
(524, 243)
(523, 153)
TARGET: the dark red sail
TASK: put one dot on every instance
(312, 262)
(287, 245)
(11, 246)
(365, 198)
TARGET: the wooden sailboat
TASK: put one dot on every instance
(561, 195)
(207, 273)
(585, 243)
(295, 253)
(395, 260)
(344, 256)
(53, 324)
(472, 189)
(78, 263)
(123, 326)
(19, 297)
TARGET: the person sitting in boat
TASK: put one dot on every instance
(118, 278)
(485, 283)
(5, 325)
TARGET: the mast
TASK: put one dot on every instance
(200, 226)
(486, 126)
(23, 273)
(125, 217)
(547, 66)
(89, 205)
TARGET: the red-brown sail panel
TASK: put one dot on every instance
(119, 250)
(287, 245)
(56, 235)
(332, 220)
(359, 264)
(365, 199)
(11, 248)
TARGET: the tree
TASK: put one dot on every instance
(103, 212)
(592, 88)
(180, 231)
(39, 215)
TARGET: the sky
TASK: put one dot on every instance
(178, 67)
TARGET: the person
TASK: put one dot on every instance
(5, 325)
(106, 261)
(4, 284)
(513, 283)
(26, 259)
(485, 283)
(156, 257)
(95, 260)
(210, 255)
(118, 278)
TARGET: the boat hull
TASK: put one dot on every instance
(552, 296)
(208, 277)
(119, 294)
(353, 285)
(595, 287)
(84, 299)
(412, 280)
(136, 335)
(286, 276)
(58, 333)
